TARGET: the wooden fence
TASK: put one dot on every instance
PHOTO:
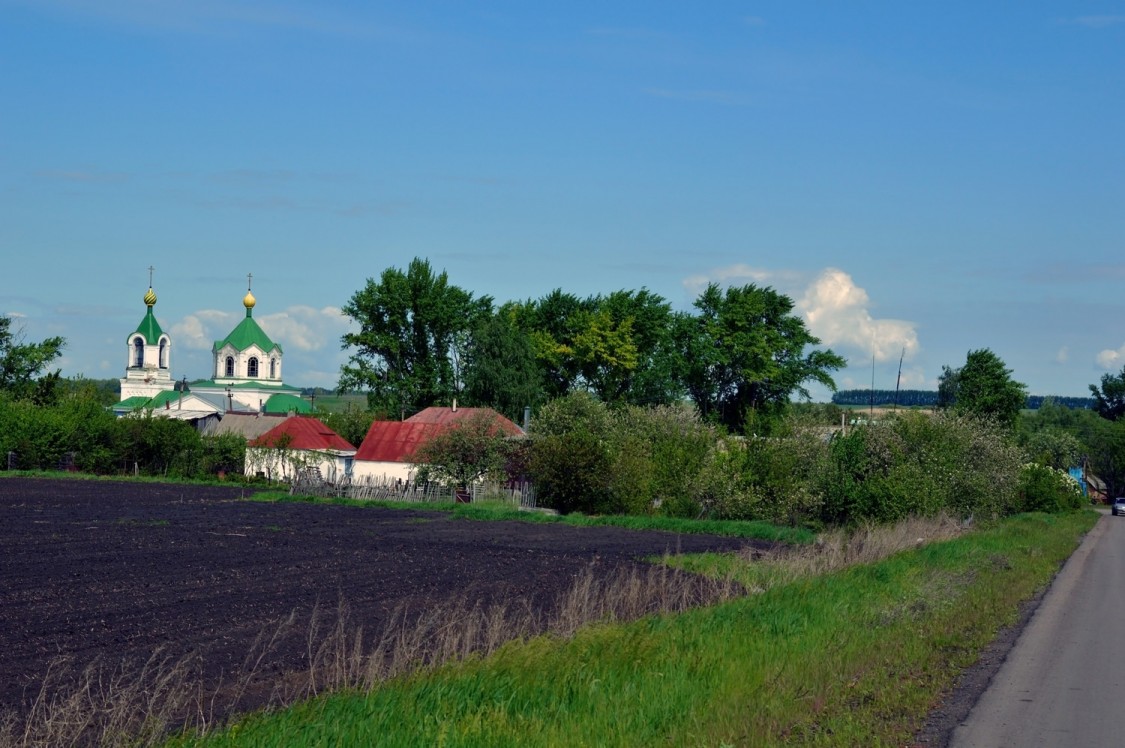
(310, 483)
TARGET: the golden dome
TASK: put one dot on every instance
(150, 297)
(248, 300)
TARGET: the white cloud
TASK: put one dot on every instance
(914, 378)
(305, 328)
(297, 328)
(1111, 359)
(1063, 355)
(199, 330)
(836, 310)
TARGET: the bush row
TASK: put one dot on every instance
(587, 457)
(79, 433)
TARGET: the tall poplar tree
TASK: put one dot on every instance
(411, 324)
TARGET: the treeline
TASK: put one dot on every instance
(739, 356)
(931, 399)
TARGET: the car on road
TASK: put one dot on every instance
(1119, 506)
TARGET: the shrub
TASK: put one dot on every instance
(918, 464)
(1045, 489)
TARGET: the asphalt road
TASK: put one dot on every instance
(1064, 681)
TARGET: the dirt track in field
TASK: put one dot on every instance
(116, 571)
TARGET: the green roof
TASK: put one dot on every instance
(246, 334)
(136, 402)
(131, 403)
(283, 403)
(150, 328)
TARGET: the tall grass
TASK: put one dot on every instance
(856, 656)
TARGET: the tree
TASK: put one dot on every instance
(409, 324)
(744, 354)
(1105, 441)
(984, 387)
(653, 378)
(22, 365)
(948, 383)
(501, 371)
(1109, 399)
(470, 449)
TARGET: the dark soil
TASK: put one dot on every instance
(115, 571)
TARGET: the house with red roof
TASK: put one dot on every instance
(386, 454)
(300, 444)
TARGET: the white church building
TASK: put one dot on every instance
(245, 376)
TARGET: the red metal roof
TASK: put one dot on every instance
(448, 416)
(303, 433)
(394, 441)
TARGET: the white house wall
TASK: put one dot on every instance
(284, 465)
(367, 471)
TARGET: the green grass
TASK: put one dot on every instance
(855, 657)
(493, 512)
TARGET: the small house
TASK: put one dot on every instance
(299, 445)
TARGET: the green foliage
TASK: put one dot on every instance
(410, 326)
(1105, 444)
(79, 433)
(918, 464)
(590, 458)
(983, 387)
(22, 365)
(1109, 399)
(1052, 447)
(352, 422)
(501, 371)
(474, 447)
(745, 354)
(1045, 489)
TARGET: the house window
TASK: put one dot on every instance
(138, 352)
(252, 368)
(273, 368)
(230, 366)
(163, 354)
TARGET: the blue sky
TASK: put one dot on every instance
(934, 177)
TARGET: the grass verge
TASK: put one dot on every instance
(493, 512)
(856, 656)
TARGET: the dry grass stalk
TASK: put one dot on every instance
(845, 547)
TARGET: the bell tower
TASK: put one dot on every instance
(148, 369)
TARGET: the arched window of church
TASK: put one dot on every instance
(163, 354)
(273, 368)
(230, 366)
(252, 367)
(138, 352)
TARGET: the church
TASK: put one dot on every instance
(246, 375)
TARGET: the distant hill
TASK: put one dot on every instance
(929, 398)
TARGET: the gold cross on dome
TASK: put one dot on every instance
(150, 269)
(249, 276)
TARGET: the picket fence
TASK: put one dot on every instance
(310, 483)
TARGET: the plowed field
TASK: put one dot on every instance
(116, 571)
